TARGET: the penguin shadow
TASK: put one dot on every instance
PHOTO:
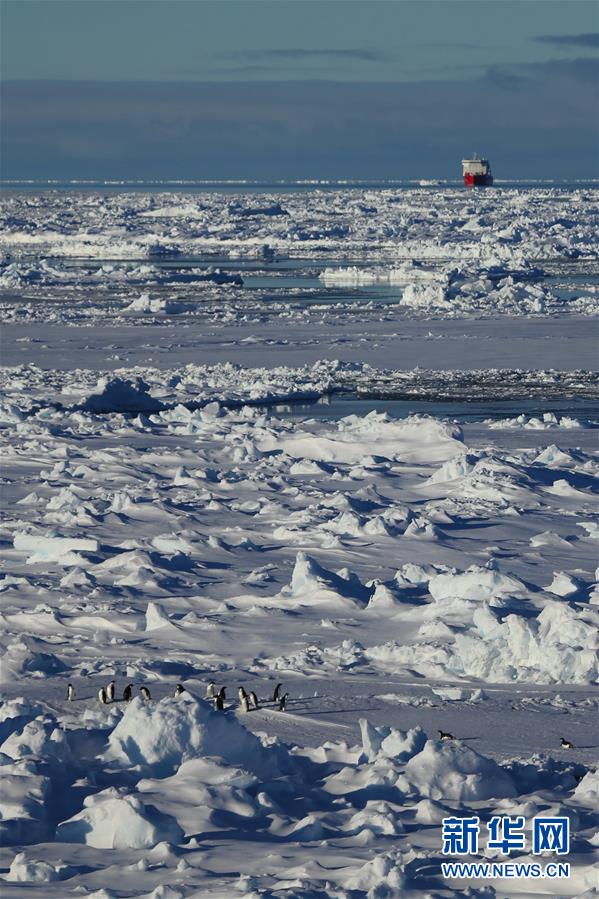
(342, 711)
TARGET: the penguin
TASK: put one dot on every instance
(102, 695)
(242, 694)
(277, 690)
(210, 694)
(244, 703)
(222, 693)
(127, 693)
(70, 693)
(566, 744)
(145, 693)
(283, 702)
(110, 691)
(219, 704)
(254, 700)
(179, 689)
(445, 736)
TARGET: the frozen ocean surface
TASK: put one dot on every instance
(339, 437)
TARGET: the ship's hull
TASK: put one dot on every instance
(471, 180)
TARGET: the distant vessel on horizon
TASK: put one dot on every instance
(477, 172)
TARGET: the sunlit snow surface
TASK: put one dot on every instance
(399, 573)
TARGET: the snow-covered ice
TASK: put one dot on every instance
(172, 517)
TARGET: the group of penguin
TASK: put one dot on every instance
(247, 701)
(107, 694)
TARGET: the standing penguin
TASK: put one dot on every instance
(242, 694)
(145, 693)
(254, 700)
(211, 690)
(127, 693)
(179, 689)
(70, 692)
(222, 694)
(102, 695)
(283, 702)
(244, 703)
(219, 703)
(277, 690)
(110, 691)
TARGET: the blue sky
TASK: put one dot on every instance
(298, 88)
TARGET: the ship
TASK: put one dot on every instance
(477, 172)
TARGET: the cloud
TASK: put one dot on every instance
(287, 54)
(590, 39)
(582, 69)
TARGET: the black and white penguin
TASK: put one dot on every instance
(179, 689)
(102, 695)
(211, 690)
(219, 703)
(283, 702)
(244, 703)
(222, 693)
(127, 693)
(445, 736)
(254, 700)
(110, 691)
(70, 692)
(566, 744)
(277, 690)
(145, 693)
(242, 694)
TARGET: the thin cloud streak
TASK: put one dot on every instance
(291, 53)
(590, 39)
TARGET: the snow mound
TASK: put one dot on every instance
(357, 437)
(311, 583)
(62, 550)
(156, 617)
(113, 820)
(587, 791)
(474, 583)
(564, 584)
(157, 306)
(120, 395)
(382, 876)
(158, 737)
(390, 743)
(24, 870)
(451, 770)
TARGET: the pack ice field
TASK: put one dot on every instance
(299, 541)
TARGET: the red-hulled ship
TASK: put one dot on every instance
(477, 172)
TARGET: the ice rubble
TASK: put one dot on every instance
(556, 647)
(548, 420)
